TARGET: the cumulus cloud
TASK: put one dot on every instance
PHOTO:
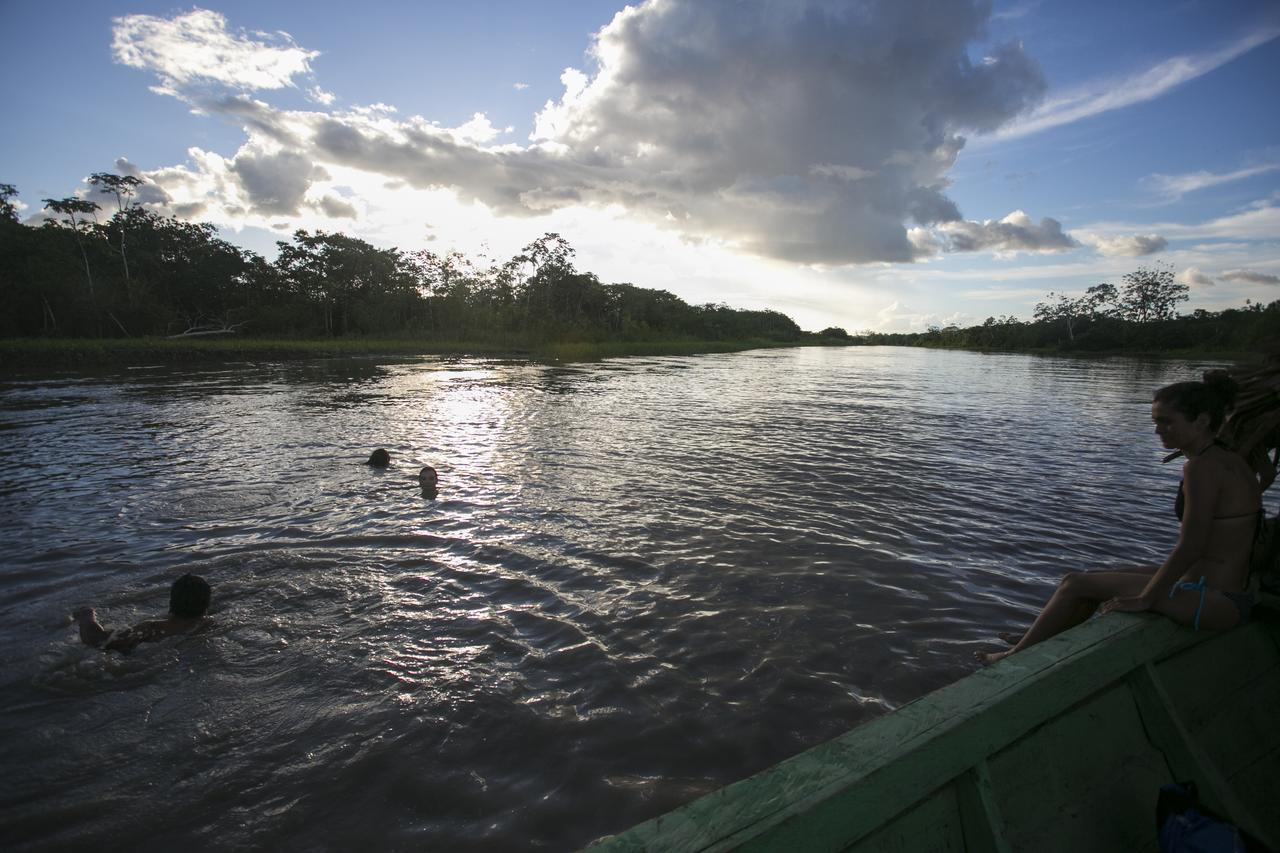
(811, 131)
(898, 317)
(337, 208)
(1015, 233)
(1193, 277)
(196, 48)
(320, 96)
(1124, 245)
(275, 184)
(1250, 276)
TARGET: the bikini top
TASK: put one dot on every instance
(1180, 502)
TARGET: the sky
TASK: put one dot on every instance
(871, 165)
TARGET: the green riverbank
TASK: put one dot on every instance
(28, 353)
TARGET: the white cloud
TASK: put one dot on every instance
(1103, 95)
(1250, 276)
(1193, 277)
(897, 317)
(797, 131)
(1176, 186)
(1123, 245)
(520, 87)
(1259, 221)
(320, 96)
(196, 48)
(1015, 233)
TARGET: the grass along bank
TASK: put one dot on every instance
(28, 353)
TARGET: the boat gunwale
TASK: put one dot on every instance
(899, 758)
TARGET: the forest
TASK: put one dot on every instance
(139, 274)
(143, 274)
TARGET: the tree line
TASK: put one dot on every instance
(1138, 315)
(142, 274)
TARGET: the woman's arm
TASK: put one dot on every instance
(1199, 489)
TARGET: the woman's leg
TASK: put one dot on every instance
(1084, 611)
(1074, 601)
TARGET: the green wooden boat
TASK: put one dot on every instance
(1061, 747)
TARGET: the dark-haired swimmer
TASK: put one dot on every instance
(427, 479)
(188, 603)
(1201, 582)
(379, 458)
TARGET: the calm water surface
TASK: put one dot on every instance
(641, 579)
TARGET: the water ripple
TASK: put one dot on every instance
(640, 580)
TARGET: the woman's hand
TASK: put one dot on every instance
(1128, 604)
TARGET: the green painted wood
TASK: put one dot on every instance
(933, 824)
(980, 815)
(1063, 746)
(1167, 733)
(1085, 780)
(829, 797)
(1231, 745)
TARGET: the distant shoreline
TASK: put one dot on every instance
(35, 353)
(72, 353)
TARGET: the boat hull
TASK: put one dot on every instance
(1061, 747)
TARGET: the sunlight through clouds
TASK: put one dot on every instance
(799, 156)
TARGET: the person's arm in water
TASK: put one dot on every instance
(91, 633)
(124, 641)
(1199, 488)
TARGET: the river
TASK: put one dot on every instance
(640, 580)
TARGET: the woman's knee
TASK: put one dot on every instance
(1072, 582)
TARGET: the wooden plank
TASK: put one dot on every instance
(980, 815)
(1187, 761)
(1258, 785)
(1086, 780)
(933, 825)
(829, 797)
(1198, 683)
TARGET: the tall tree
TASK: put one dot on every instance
(1065, 308)
(70, 207)
(8, 210)
(1150, 294)
(122, 187)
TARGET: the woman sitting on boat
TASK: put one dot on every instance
(1219, 505)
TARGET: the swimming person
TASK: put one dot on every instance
(379, 458)
(1219, 507)
(427, 479)
(188, 603)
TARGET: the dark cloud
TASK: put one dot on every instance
(275, 183)
(337, 208)
(1250, 276)
(809, 130)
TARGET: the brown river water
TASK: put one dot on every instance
(640, 580)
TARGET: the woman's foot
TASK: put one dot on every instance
(988, 658)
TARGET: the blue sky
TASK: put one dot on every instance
(874, 165)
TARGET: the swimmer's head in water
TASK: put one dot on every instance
(189, 597)
(380, 458)
(427, 477)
